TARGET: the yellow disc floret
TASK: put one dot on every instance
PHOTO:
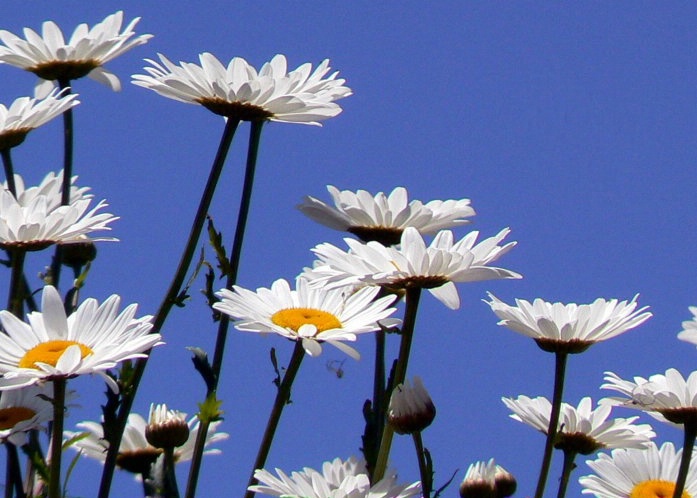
(9, 417)
(655, 489)
(294, 318)
(49, 352)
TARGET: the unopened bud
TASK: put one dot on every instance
(411, 408)
(166, 428)
(479, 481)
(505, 483)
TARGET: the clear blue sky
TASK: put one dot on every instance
(574, 124)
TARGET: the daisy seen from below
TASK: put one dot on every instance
(52, 59)
(26, 114)
(338, 479)
(313, 315)
(35, 219)
(689, 328)
(24, 410)
(239, 92)
(93, 339)
(413, 264)
(638, 473)
(382, 217)
(581, 429)
(136, 455)
(572, 327)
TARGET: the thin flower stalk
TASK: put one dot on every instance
(426, 476)
(413, 294)
(224, 325)
(13, 481)
(15, 299)
(54, 485)
(569, 466)
(690, 432)
(168, 302)
(9, 170)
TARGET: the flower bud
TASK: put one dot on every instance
(505, 483)
(411, 408)
(479, 481)
(166, 428)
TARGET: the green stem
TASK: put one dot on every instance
(375, 419)
(54, 485)
(569, 466)
(9, 171)
(15, 300)
(413, 294)
(14, 473)
(168, 302)
(426, 477)
(170, 478)
(282, 399)
(559, 373)
(223, 326)
(690, 431)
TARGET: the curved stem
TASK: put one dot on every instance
(54, 485)
(412, 305)
(426, 477)
(223, 326)
(569, 466)
(169, 301)
(559, 373)
(282, 399)
(690, 431)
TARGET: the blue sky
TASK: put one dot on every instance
(573, 124)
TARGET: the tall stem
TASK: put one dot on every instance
(14, 473)
(426, 477)
(223, 326)
(413, 294)
(690, 431)
(54, 485)
(559, 373)
(170, 478)
(569, 466)
(9, 170)
(169, 301)
(282, 399)
(15, 300)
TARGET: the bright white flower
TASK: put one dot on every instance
(689, 332)
(338, 479)
(583, 429)
(312, 315)
(136, 455)
(23, 410)
(238, 91)
(479, 480)
(51, 58)
(668, 397)
(413, 264)
(92, 339)
(26, 114)
(35, 219)
(573, 326)
(640, 473)
(383, 218)
(411, 408)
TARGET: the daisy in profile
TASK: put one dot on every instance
(24, 410)
(239, 91)
(136, 455)
(382, 217)
(689, 328)
(53, 59)
(338, 479)
(581, 429)
(413, 264)
(26, 114)
(93, 339)
(571, 327)
(50, 188)
(311, 315)
(650, 472)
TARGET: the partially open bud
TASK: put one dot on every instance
(479, 481)
(166, 428)
(411, 408)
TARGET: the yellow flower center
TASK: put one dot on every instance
(655, 489)
(49, 352)
(9, 417)
(294, 318)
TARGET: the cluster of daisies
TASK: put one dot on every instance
(400, 245)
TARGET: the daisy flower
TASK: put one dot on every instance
(382, 217)
(413, 264)
(166, 428)
(640, 473)
(411, 408)
(136, 455)
(35, 219)
(52, 59)
(689, 332)
(338, 479)
(668, 397)
(93, 339)
(26, 114)
(23, 410)
(238, 91)
(571, 327)
(583, 429)
(307, 314)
